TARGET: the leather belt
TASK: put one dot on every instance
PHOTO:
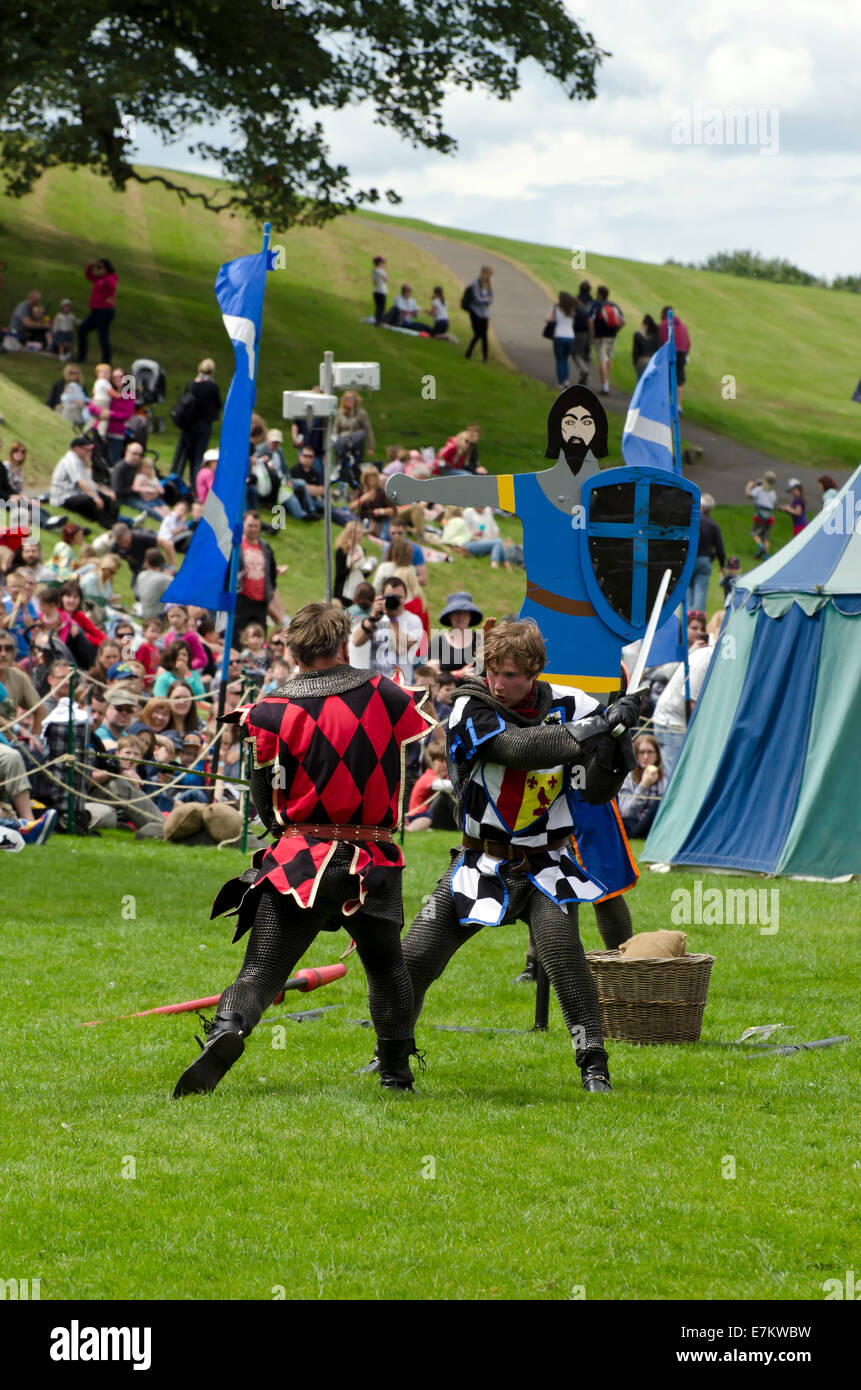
(504, 849)
(340, 832)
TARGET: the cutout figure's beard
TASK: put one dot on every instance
(575, 451)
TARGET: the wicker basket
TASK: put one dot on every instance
(651, 1001)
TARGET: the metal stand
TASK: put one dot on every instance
(542, 999)
(326, 382)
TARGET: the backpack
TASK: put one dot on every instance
(466, 299)
(611, 316)
(184, 412)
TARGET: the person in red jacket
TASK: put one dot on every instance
(103, 278)
(682, 340)
(75, 625)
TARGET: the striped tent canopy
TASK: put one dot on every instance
(768, 777)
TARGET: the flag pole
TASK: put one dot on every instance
(326, 383)
(677, 466)
(235, 553)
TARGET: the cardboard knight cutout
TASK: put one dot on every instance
(595, 543)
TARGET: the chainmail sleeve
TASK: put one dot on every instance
(535, 746)
(261, 795)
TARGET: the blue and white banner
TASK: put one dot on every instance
(647, 438)
(203, 577)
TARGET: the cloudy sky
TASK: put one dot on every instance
(646, 170)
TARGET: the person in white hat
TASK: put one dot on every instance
(63, 327)
(796, 506)
(205, 474)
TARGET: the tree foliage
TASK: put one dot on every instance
(76, 80)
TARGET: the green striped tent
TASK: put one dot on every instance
(769, 777)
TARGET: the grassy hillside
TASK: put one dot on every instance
(794, 351)
(167, 256)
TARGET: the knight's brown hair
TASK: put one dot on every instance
(317, 630)
(520, 642)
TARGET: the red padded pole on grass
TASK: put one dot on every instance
(304, 980)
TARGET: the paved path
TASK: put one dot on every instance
(520, 306)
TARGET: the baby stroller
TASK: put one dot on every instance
(151, 390)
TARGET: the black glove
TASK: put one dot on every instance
(590, 727)
(624, 711)
(601, 748)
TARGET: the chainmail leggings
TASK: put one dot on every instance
(281, 934)
(613, 920)
(436, 934)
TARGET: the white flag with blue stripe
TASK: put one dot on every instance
(647, 438)
(203, 578)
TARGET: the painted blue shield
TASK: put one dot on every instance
(637, 523)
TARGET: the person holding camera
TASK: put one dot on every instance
(394, 634)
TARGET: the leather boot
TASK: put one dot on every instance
(225, 1042)
(527, 976)
(394, 1063)
(595, 1070)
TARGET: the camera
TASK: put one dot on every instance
(392, 603)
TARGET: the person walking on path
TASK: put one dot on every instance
(710, 547)
(562, 316)
(646, 344)
(103, 297)
(764, 500)
(380, 284)
(682, 340)
(480, 300)
(607, 319)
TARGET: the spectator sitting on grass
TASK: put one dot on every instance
(124, 474)
(191, 785)
(641, 792)
(459, 454)
(79, 633)
(148, 493)
(363, 601)
(151, 583)
(120, 710)
(398, 532)
(69, 398)
(23, 311)
(18, 613)
(96, 580)
(176, 660)
(279, 674)
(352, 434)
(173, 526)
(180, 626)
(254, 651)
(398, 556)
(157, 714)
(131, 545)
(73, 487)
(108, 655)
(372, 504)
(431, 799)
(185, 716)
(307, 479)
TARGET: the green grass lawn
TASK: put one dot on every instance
(297, 1175)
(793, 351)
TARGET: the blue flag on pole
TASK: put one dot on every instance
(647, 438)
(203, 577)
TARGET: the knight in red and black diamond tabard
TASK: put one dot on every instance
(329, 750)
(535, 769)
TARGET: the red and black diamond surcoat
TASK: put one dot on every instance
(336, 758)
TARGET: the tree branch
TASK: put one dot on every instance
(182, 192)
